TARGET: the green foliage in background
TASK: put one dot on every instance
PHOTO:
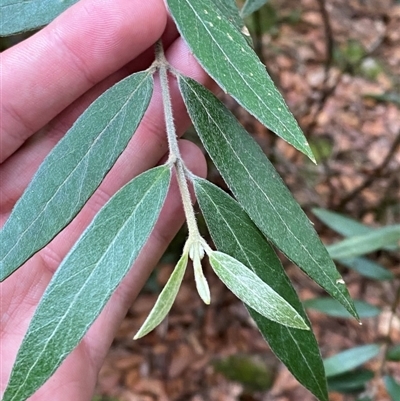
(344, 370)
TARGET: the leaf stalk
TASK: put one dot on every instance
(195, 244)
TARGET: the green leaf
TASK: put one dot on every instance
(341, 224)
(393, 353)
(331, 307)
(22, 15)
(344, 225)
(231, 13)
(253, 372)
(392, 387)
(350, 359)
(350, 382)
(234, 233)
(251, 290)
(367, 268)
(366, 243)
(165, 299)
(391, 97)
(251, 6)
(86, 279)
(224, 53)
(73, 170)
(259, 189)
(230, 10)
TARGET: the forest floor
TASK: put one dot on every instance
(339, 71)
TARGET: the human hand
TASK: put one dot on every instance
(47, 82)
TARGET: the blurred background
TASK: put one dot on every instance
(337, 64)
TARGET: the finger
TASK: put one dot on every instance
(17, 171)
(84, 45)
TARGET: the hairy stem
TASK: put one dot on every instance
(174, 153)
(195, 244)
(162, 62)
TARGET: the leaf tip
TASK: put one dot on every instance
(309, 153)
(303, 325)
(138, 335)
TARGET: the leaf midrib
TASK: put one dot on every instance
(250, 266)
(84, 284)
(300, 145)
(255, 182)
(210, 116)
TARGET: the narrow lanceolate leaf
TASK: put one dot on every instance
(251, 6)
(234, 233)
(341, 224)
(165, 300)
(259, 189)
(22, 15)
(392, 387)
(251, 290)
(73, 170)
(331, 307)
(350, 359)
(225, 54)
(366, 243)
(344, 225)
(367, 268)
(351, 382)
(86, 279)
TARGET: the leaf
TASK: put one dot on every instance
(331, 307)
(367, 268)
(393, 353)
(165, 300)
(390, 97)
(366, 243)
(234, 233)
(73, 170)
(350, 382)
(259, 189)
(202, 286)
(251, 290)
(344, 225)
(253, 372)
(224, 53)
(22, 15)
(350, 359)
(341, 224)
(251, 6)
(231, 12)
(86, 279)
(392, 387)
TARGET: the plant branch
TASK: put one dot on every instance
(175, 156)
(161, 61)
(195, 244)
(186, 201)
